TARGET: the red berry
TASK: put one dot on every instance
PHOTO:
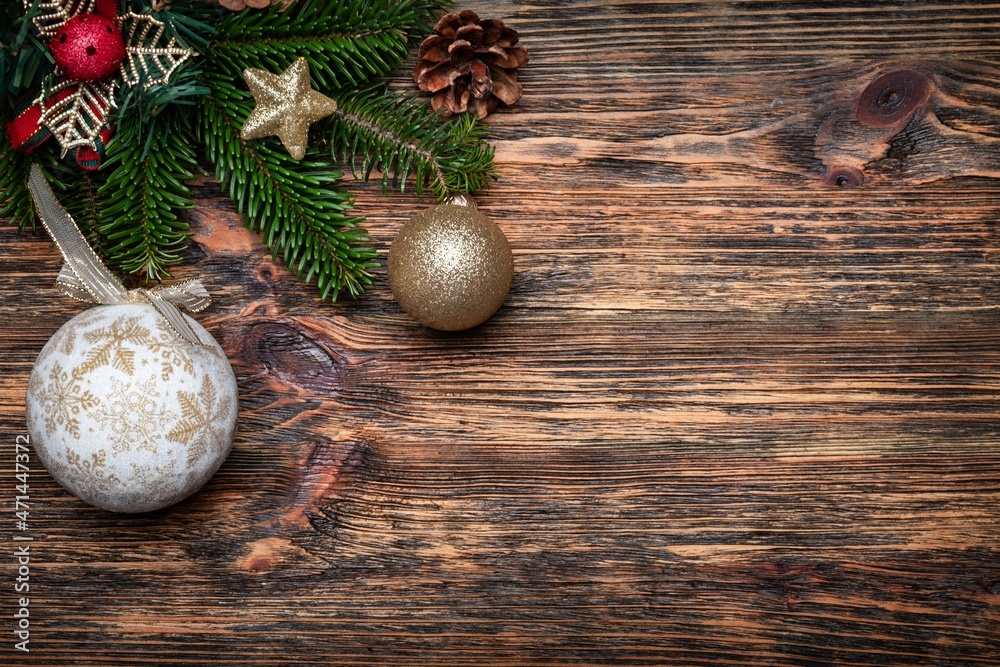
(88, 47)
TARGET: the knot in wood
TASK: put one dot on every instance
(845, 176)
(292, 356)
(893, 98)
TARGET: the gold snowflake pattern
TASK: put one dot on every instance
(203, 420)
(91, 474)
(155, 484)
(67, 344)
(109, 345)
(62, 400)
(94, 467)
(174, 351)
(132, 417)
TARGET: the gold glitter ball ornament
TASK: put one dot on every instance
(286, 106)
(450, 267)
(127, 415)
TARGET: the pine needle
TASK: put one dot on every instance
(346, 43)
(16, 204)
(147, 166)
(297, 206)
(129, 208)
(400, 136)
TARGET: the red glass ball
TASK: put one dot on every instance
(88, 47)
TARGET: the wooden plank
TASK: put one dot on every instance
(741, 406)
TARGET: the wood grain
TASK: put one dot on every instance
(741, 407)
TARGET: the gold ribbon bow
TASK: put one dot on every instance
(84, 276)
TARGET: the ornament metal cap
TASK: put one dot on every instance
(461, 199)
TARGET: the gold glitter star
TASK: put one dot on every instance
(286, 106)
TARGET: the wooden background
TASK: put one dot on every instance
(741, 407)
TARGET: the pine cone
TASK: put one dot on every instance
(469, 65)
(240, 5)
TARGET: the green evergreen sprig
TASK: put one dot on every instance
(146, 167)
(129, 209)
(24, 59)
(79, 194)
(190, 22)
(346, 43)
(399, 135)
(79, 190)
(298, 206)
(16, 204)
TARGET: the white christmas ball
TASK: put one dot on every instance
(126, 414)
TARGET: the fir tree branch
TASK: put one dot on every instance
(186, 22)
(346, 43)
(147, 165)
(400, 136)
(296, 205)
(24, 59)
(184, 89)
(16, 204)
(429, 11)
(81, 200)
(191, 22)
(75, 188)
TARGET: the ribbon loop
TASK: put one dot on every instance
(85, 278)
(190, 294)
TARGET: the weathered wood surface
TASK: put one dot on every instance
(740, 409)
